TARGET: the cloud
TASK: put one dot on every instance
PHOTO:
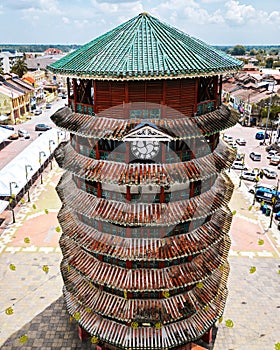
(65, 20)
(238, 14)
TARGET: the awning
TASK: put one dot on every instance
(3, 205)
(13, 175)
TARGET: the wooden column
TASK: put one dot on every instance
(99, 190)
(196, 94)
(128, 194)
(163, 108)
(95, 109)
(126, 101)
(162, 195)
(75, 93)
(127, 151)
(220, 89)
(97, 151)
(216, 88)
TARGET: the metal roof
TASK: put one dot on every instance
(145, 48)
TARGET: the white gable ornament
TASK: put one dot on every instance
(145, 140)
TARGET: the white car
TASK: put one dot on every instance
(270, 173)
(249, 175)
(271, 154)
(23, 133)
(275, 160)
(228, 139)
(238, 165)
(241, 142)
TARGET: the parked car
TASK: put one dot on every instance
(48, 105)
(13, 136)
(42, 127)
(275, 160)
(277, 216)
(266, 194)
(8, 127)
(38, 112)
(228, 139)
(271, 154)
(255, 156)
(241, 142)
(238, 165)
(254, 188)
(64, 96)
(260, 135)
(249, 175)
(239, 156)
(23, 133)
(270, 173)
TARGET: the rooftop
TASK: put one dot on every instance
(145, 48)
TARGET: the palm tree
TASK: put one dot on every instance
(20, 67)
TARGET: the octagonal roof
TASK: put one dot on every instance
(145, 48)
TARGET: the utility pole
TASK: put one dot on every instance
(268, 114)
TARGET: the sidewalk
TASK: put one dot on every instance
(33, 314)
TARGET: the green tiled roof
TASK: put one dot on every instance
(144, 47)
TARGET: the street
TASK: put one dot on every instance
(16, 146)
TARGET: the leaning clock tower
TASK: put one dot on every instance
(144, 214)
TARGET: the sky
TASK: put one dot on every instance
(216, 22)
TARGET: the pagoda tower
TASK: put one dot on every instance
(144, 214)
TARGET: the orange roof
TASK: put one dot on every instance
(29, 79)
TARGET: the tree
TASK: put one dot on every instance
(238, 50)
(20, 67)
(269, 62)
(253, 52)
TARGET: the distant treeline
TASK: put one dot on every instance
(36, 47)
(66, 48)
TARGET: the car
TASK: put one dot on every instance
(255, 156)
(48, 105)
(228, 139)
(249, 175)
(23, 133)
(238, 165)
(64, 96)
(8, 127)
(38, 112)
(277, 216)
(271, 154)
(260, 135)
(255, 187)
(42, 127)
(270, 173)
(13, 136)
(275, 160)
(266, 194)
(241, 142)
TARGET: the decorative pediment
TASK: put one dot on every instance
(147, 132)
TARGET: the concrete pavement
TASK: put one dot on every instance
(32, 310)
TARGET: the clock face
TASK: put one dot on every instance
(145, 149)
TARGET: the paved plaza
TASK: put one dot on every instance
(33, 314)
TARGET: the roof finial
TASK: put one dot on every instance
(144, 14)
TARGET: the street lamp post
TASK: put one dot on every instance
(268, 114)
(243, 163)
(51, 142)
(256, 182)
(11, 195)
(26, 175)
(40, 161)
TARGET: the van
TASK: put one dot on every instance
(266, 194)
